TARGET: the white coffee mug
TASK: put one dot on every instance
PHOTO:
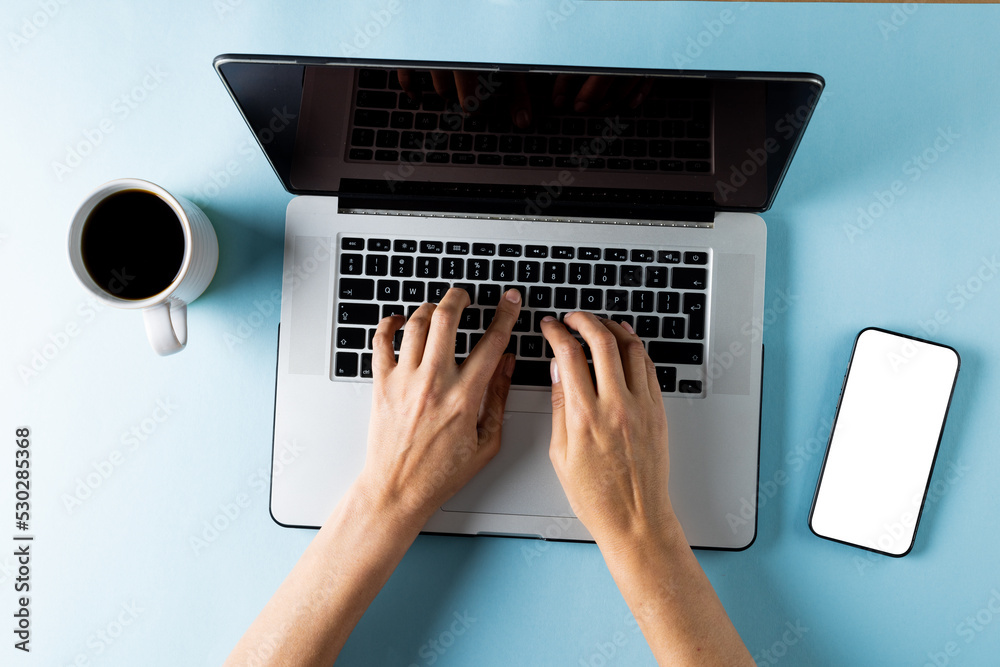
(165, 313)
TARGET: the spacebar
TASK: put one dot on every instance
(532, 373)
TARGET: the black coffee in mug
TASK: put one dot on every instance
(132, 244)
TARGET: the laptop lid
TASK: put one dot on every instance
(525, 140)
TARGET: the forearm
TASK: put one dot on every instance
(310, 617)
(672, 600)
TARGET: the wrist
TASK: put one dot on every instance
(642, 540)
(376, 504)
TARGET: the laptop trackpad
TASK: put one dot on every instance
(520, 479)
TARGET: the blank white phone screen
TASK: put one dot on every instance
(886, 434)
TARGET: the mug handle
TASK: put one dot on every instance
(166, 327)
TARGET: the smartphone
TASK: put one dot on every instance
(885, 437)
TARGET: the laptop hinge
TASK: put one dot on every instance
(529, 218)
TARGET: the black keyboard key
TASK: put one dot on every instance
(453, 268)
(461, 343)
(499, 124)
(574, 126)
(590, 253)
(401, 120)
(371, 118)
(397, 340)
(523, 322)
(656, 276)
(463, 158)
(510, 250)
(469, 319)
(565, 298)
(457, 248)
(377, 265)
(605, 274)
(659, 148)
(698, 166)
(579, 274)
(475, 124)
(387, 139)
(539, 316)
(427, 267)
(631, 276)
(532, 346)
(360, 154)
(617, 299)
(363, 137)
(489, 159)
(426, 121)
(694, 305)
(635, 148)
(692, 149)
(689, 386)
(362, 289)
(696, 258)
(350, 338)
(536, 251)
(357, 313)
(412, 140)
(413, 291)
(479, 269)
(379, 245)
(619, 163)
(555, 272)
(432, 247)
(668, 302)
(350, 264)
(352, 243)
(667, 377)
(436, 291)
(520, 288)
(615, 255)
(484, 249)
(642, 256)
(684, 278)
(488, 315)
(560, 146)
(673, 327)
(623, 318)
(372, 78)
(642, 301)
(401, 266)
(527, 272)
(562, 252)
(432, 102)
(346, 365)
(510, 143)
(392, 309)
(486, 143)
(470, 289)
(540, 161)
(489, 295)
(591, 299)
(698, 129)
(531, 373)
(535, 144)
(437, 158)
(540, 297)
(671, 165)
(366, 366)
(647, 128)
(668, 257)
(662, 352)
(460, 142)
(387, 155)
(644, 164)
(401, 245)
(694, 301)
(515, 161)
(503, 270)
(647, 326)
(388, 290)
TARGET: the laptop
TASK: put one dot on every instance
(630, 193)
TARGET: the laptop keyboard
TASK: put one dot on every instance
(661, 292)
(663, 135)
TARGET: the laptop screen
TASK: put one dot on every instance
(524, 140)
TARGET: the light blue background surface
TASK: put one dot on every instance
(889, 94)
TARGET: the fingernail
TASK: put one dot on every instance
(513, 295)
(548, 318)
(508, 366)
(523, 119)
(580, 106)
(628, 327)
(554, 372)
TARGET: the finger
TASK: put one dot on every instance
(557, 445)
(574, 373)
(383, 356)
(465, 84)
(592, 92)
(561, 89)
(406, 82)
(440, 346)
(494, 402)
(603, 348)
(411, 350)
(444, 83)
(653, 382)
(520, 103)
(638, 97)
(482, 360)
(633, 356)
